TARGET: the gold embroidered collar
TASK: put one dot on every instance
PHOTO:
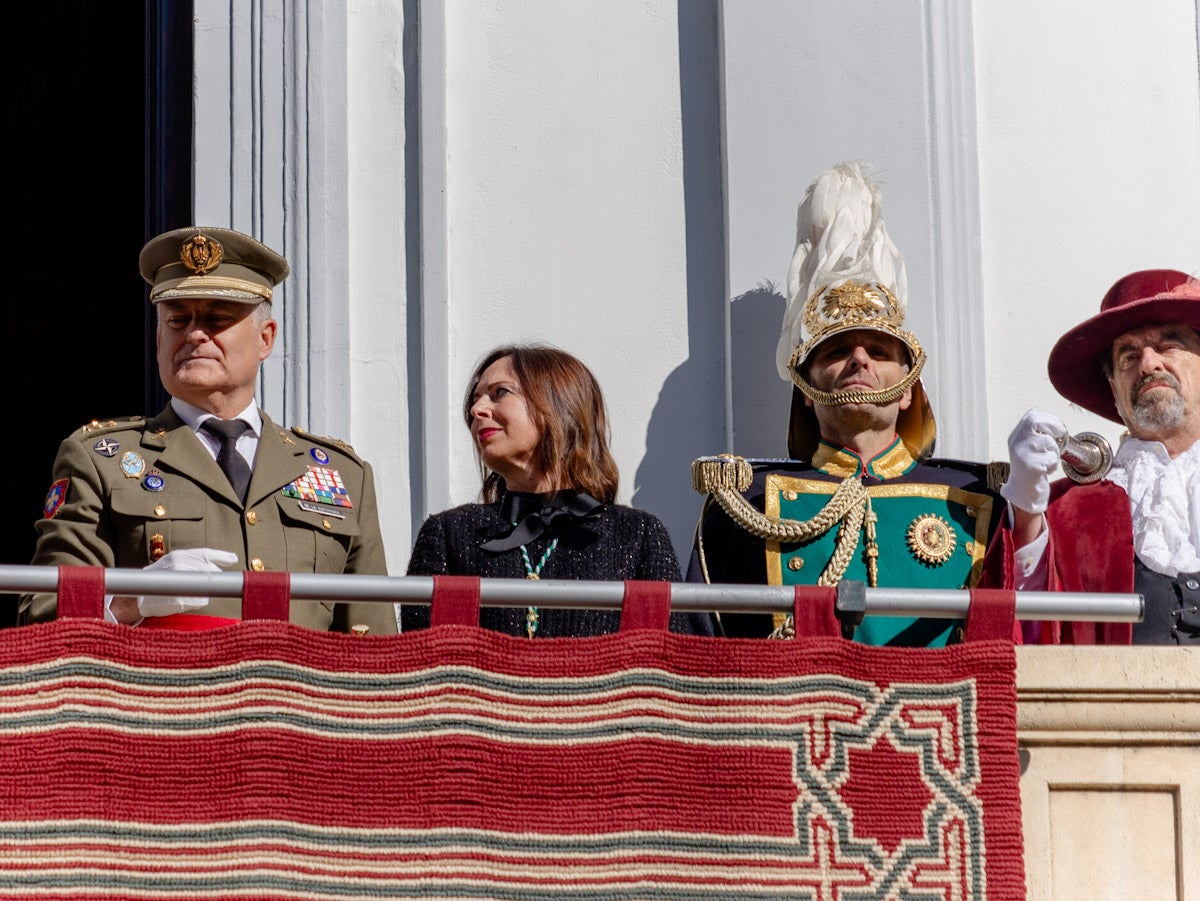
(838, 461)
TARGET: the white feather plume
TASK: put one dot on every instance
(840, 235)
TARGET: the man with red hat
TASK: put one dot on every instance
(1137, 362)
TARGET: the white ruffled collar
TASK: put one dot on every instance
(1165, 498)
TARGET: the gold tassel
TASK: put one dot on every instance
(872, 548)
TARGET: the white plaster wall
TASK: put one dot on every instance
(378, 275)
(564, 206)
(1089, 158)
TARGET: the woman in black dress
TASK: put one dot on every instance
(540, 433)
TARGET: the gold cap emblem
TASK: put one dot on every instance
(201, 254)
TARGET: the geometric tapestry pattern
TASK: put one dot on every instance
(264, 760)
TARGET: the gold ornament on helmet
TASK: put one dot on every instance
(841, 306)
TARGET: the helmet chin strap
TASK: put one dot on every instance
(842, 398)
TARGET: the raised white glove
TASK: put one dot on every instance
(1033, 454)
(192, 559)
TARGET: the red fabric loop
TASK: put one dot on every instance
(455, 601)
(647, 605)
(81, 592)
(991, 614)
(186, 622)
(266, 595)
(814, 612)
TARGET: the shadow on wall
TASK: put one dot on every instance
(690, 407)
(688, 419)
(761, 399)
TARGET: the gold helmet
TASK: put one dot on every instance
(846, 274)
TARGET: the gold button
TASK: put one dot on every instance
(326, 524)
(794, 563)
(251, 517)
(969, 547)
(790, 495)
(257, 565)
(972, 512)
(160, 510)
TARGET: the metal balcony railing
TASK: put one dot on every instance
(853, 597)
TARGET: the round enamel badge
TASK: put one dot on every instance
(133, 464)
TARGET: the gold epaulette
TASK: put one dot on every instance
(722, 471)
(98, 426)
(997, 475)
(328, 440)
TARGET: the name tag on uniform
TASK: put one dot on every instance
(321, 510)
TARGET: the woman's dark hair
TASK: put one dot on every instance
(566, 405)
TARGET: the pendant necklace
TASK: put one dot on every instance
(532, 572)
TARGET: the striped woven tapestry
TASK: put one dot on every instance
(262, 760)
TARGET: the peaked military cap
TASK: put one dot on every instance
(216, 263)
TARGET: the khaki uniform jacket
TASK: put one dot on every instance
(132, 490)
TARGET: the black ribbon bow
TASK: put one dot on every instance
(536, 516)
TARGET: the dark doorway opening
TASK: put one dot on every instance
(100, 146)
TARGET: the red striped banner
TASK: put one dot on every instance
(263, 760)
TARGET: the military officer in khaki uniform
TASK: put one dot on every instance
(211, 482)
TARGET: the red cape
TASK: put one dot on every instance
(1090, 549)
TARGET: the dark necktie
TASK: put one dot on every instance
(233, 464)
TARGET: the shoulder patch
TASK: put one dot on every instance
(55, 498)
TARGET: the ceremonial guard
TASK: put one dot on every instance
(860, 496)
(211, 482)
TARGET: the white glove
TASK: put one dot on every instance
(1033, 453)
(192, 559)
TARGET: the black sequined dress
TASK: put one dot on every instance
(608, 542)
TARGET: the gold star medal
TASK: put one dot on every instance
(931, 539)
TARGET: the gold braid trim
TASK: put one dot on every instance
(847, 540)
(726, 476)
(838, 563)
(841, 398)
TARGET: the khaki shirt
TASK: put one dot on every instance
(132, 490)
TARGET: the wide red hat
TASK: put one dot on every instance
(1147, 297)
